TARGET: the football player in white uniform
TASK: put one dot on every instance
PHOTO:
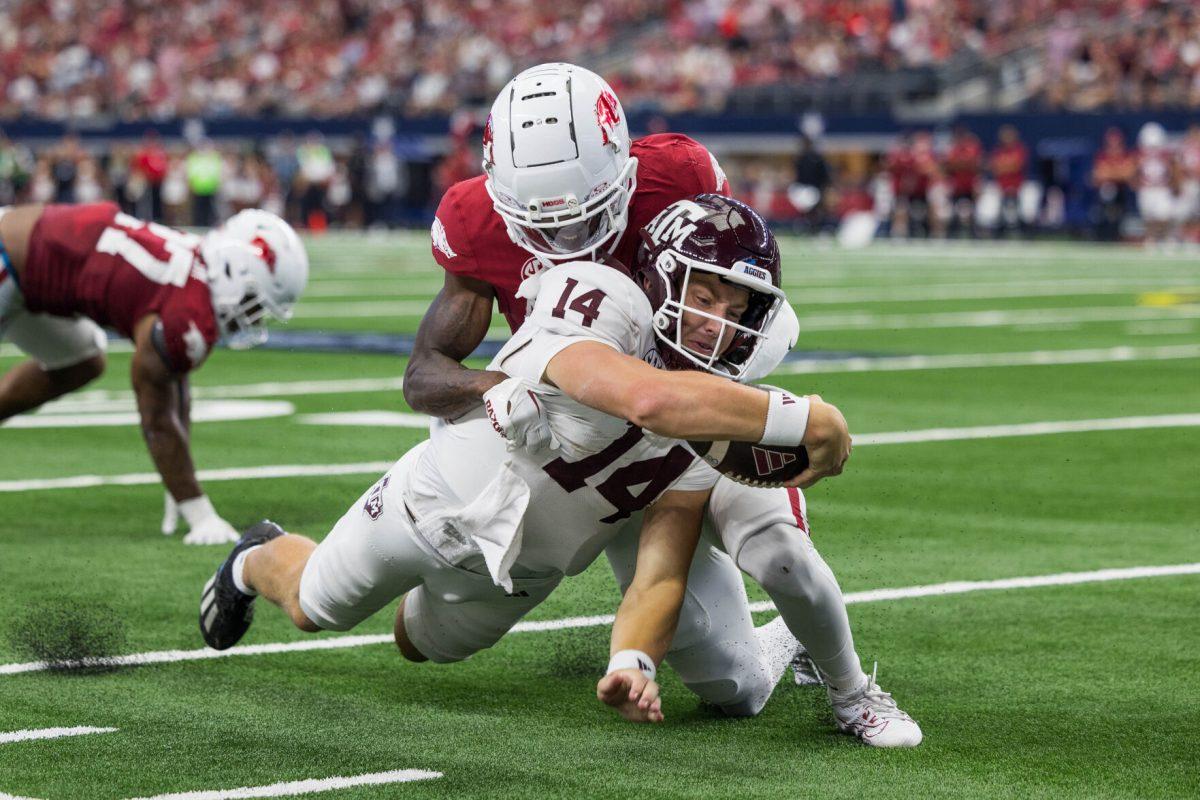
(546, 210)
(475, 534)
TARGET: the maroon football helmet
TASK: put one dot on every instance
(716, 234)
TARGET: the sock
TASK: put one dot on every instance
(239, 564)
(778, 647)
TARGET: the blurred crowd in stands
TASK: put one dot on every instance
(946, 185)
(147, 59)
(955, 186)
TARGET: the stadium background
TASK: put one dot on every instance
(1024, 411)
(347, 113)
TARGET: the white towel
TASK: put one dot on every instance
(492, 522)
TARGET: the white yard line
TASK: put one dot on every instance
(861, 320)
(268, 389)
(376, 467)
(870, 596)
(1100, 355)
(310, 786)
(1029, 429)
(231, 474)
(49, 733)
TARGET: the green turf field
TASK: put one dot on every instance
(1082, 689)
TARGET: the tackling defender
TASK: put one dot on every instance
(474, 534)
(67, 270)
(564, 181)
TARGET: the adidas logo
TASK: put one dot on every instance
(768, 461)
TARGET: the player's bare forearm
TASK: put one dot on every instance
(648, 617)
(435, 381)
(167, 440)
(649, 612)
(685, 404)
(163, 404)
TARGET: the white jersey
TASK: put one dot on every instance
(563, 506)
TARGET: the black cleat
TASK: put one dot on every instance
(225, 612)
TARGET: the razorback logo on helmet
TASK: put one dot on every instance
(488, 140)
(265, 251)
(607, 116)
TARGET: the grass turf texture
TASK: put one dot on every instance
(1068, 691)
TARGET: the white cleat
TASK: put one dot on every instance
(873, 716)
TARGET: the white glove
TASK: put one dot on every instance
(205, 523)
(518, 415)
(170, 515)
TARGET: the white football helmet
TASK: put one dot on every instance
(556, 155)
(257, 265)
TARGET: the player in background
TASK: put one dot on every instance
(1009, 161)
(1155, 182)
(1189, 185)
(475, 534)
(1113, 172)
(964, 161)
(68, 270)
(563, 181)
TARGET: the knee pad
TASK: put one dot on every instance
(783, 560)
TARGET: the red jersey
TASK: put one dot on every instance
(95, 261)
(963, 163)
(1008, 167)
(469, 237)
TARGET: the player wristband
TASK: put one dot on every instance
(632, 659)
(787, 418)
(197, 510)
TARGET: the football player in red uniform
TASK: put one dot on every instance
(68, 270)
(564, 182)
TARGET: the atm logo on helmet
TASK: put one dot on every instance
(608, 117)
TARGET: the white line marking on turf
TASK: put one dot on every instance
(972, 360)
(232, 474)
(991, 318)
(270, 389)
(310, 786)
(1029, 429)
(376, 467)
(374, 419)
(50, 733)
(870, 596)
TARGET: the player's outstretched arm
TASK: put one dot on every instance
(690, 404)
(649, 612)
(164, 409)
(435, 381)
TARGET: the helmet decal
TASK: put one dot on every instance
(608, 116)
(488, 139)
(265, 250)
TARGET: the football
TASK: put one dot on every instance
(753, 464)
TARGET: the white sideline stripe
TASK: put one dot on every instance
(310, 786)
(269, 389)
(50, 733)
(970, 360)
(991, 318)
(869, 596)
(372, 419)
(376, 467)
(1029, 429)
(231, 474)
